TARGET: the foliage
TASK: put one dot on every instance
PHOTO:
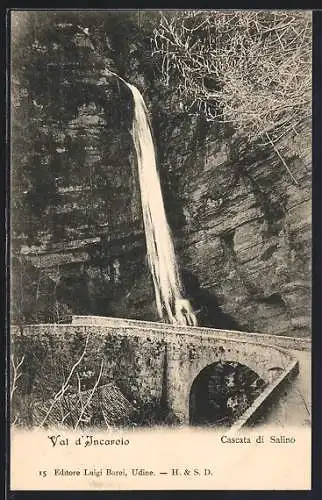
(35, 294)
(251, 69)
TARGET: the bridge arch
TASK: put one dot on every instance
(186, 359)
(221, 392)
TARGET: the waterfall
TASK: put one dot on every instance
(171, 305)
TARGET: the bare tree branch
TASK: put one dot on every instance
(15, 374)
(64, 387)
(90, 396)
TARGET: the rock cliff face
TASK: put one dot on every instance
(247, 237)
(241, 226)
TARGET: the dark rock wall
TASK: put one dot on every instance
(241, 225)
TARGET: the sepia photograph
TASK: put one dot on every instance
(161, 175)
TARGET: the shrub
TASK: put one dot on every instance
(251, 69)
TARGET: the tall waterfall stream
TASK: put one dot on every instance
(171, 305)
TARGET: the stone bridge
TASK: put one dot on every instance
(150, 361)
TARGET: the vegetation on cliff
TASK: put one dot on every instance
(251, 69)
